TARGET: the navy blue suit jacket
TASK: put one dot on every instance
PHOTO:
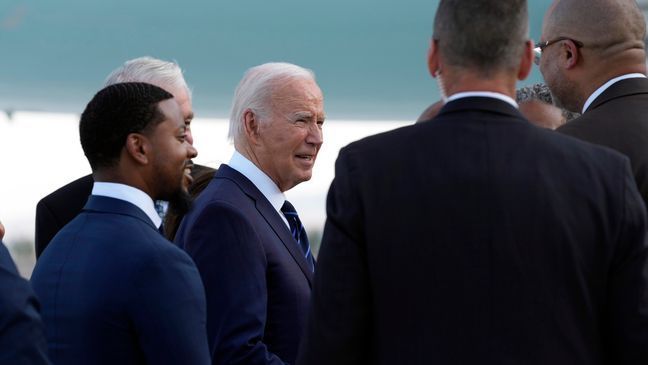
(256, 279)
(114, 291)
(22, 336)
(478, 238)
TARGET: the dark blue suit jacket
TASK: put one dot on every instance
(256, 278)
(114, 291)
(477, 238)
(22, 336)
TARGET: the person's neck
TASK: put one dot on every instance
(467, 82)
(116, 176)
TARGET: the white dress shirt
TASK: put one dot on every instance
(605, 86)
(483, 94)
(130, 194)
(263, 182)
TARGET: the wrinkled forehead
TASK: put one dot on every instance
(298, 93)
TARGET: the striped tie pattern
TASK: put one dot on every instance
(298, 232)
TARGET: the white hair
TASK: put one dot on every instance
(151, 70)
(255, 90)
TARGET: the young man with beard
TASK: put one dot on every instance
(113, 290)
(57, 209)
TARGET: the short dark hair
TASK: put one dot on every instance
(115, 112)
(483, 35)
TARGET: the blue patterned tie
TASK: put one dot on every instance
(298, 232)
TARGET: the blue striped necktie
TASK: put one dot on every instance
(298, 232)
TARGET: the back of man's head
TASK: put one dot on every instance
(482, 35)
(115, 112)
(254, 92)
(607, 27)
(165, 74)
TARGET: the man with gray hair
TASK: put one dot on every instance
(245, 237)
(477, 238)
(592, 56)
(58, 208)
(536, 104)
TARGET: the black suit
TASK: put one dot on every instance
(477, 238)
(57, 209)
(618, 119)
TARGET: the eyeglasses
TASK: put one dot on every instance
(540, 46)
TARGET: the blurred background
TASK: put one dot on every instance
(369, 58)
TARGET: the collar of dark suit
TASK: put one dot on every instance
(268, 213)
(106, 204)
(480, 103)
(620, 89)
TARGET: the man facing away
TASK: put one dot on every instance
(58, 208)
(113, 289)
(245, 237)
(477, 238)
(593, 60)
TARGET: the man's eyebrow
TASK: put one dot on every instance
(302, 115)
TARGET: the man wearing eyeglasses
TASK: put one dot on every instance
(596, 65)
(475, 237)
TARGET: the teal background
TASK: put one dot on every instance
(369, 56)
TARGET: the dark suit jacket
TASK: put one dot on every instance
(57, 209)
(114, 291)
(22, 336)
(256, 278)
(618, 119)
(477, 238)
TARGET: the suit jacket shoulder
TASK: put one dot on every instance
(22, 336)
(58, 208)
(111, 270)
(618, 119)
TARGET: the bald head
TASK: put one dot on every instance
(608, 27)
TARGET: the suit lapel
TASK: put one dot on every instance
(620, 89)
(271, 216)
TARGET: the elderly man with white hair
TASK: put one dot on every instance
(245, 237)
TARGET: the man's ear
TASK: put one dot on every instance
(433, 58)
(569, 54)
(139, 148)
(251, 126)
(526, 63)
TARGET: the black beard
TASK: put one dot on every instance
(180, 202)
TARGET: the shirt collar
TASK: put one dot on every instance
(605, 86)
(483, 94)
(130, 194)
(266, 186)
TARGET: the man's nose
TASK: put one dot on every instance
(192, 152)
(315, 135)
(189, 136)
